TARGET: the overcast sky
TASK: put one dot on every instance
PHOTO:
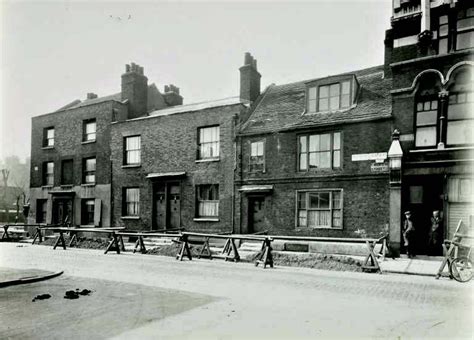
(56, 52)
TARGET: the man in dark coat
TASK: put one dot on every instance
(435, 235)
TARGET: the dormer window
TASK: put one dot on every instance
(329, 97)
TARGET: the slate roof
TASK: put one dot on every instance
(282, 107)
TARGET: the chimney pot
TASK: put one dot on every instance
(127, 68)
(248, 58)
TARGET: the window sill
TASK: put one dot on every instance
(208, 160)
(66, 186)
(88, 185)
(130, 217)
(88, 141)
(206, 219)
(317, 228)
(47, 147)
(130, 166)
(46, 187)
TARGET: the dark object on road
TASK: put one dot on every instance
(72, 295)
(41, 297)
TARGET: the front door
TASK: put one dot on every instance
(256, 214)
(62, 211)
(167, 205)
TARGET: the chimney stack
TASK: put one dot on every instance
(249, 79)
(172, 96)
(135, 90)
(91, 95)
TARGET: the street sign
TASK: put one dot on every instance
(379, 167)
(369, 156)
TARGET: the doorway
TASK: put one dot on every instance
(62, 210)
(256, 214)
(422, 196)
(166, 205)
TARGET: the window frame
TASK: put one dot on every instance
(457, 93)
(126, 212)
(47, 178)
(86, 173)
(85, 215)
(255, 162)
(127, 152)
(85, 134)
(200, 144)
(459, 31)
(63, 162)
(331, 151)
(43, 203)
(202, 201)
(422, 100)
(317, 99)
(331, 209)
(47, 139)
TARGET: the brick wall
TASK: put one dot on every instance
(365, 193)
(168, 144)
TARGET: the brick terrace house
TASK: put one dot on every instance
(174, 167)
(70, 152)
(314, 157)
(429, 52)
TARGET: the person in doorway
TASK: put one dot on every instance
(435, 234)
(409, 235)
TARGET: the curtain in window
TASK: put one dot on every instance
(209, 142)
(89, 170)
(132, 198)
(49, 180)
(320, 209)
(208, 200)
(132, 147)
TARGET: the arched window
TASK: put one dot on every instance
(426, 111)
(460, 116)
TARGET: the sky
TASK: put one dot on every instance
(55, 52)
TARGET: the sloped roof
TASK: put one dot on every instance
(282, 107)
(154, 100)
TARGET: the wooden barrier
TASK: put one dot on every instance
(230, 251)
(370, 262)
(7, 231)
(141, 235)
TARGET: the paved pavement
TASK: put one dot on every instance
(281, 303)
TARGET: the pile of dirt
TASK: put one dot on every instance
(172, 250)
(318, 261)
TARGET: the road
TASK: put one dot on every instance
(240, 301)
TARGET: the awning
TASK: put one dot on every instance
(256, 188)
(165, 174)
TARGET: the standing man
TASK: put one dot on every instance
(409, 235)
(435, 236)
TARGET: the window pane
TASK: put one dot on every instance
(434, 105)
(426, 118)
(312, 93)
(324, 200)
(346, 87)
(50, 133)
(345, 100)
(325, 143)
(333, 103)
(323, 91)
(302, 200)
(443, 19)
(323, 104)
(302, 218)
(460, 132)
(336, 199)
(313, 200)
(334, 90)
(419, 107)
(303, 164)
(467, 22)
(253, 149)
(312, 106)
(425, 136)
(426, 106)
(443, 30)
(313, 160)
(465, 40)
(336, 161)
(303, 144)
(336, 219)
(337, 141)
(443, 46)
(325, 159)
(314, 143)
(460, 111)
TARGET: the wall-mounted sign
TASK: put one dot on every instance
(378, 156)
(379, 167)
